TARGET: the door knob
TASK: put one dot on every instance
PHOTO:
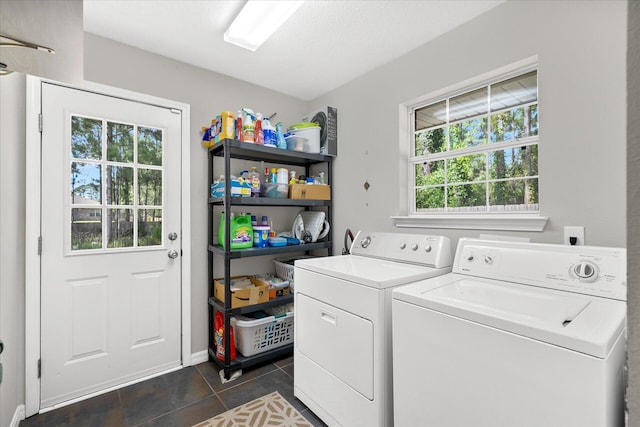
(173, 236)
(173, 254)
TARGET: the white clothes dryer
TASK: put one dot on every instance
(518, 334)
(342, 345)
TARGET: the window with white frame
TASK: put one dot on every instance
(477, 150)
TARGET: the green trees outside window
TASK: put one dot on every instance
(478, 151)
(116, 185)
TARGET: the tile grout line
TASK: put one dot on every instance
(121, 405)
(182, 407)
(282, 369)
(215, 393)
(163, 378)
(231, 387)
(249, 380)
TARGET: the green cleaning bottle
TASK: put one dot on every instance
(240, 230)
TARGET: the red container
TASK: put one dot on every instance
(218, 325)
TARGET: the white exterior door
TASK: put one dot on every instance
(110, 287)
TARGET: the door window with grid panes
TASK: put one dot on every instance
(116, 176)
(477, 150)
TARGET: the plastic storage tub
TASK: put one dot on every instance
(259, 335)
(296, 142)
(310, 132)
(284, 268)
(275, 191)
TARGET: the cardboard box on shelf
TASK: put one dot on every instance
(277, 287)
(310, 192)
(279, 291)
(257, 294)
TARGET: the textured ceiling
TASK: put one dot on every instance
(322, 46)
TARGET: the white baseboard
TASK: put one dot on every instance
(18, 416)
(199, 357)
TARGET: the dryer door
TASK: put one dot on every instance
(338, 341)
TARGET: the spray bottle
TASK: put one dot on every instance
(248, 128)
(259, 134)
(239, 133)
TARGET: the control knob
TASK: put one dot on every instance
(365, 242)
(586, 271)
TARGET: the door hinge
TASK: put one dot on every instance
(39, 245)
(40, 122)
(39, 368)
(175, 111)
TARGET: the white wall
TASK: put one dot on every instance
(582, 75)
(581, 48)
(633, 211)
(56, 24)
(12, 214)
(115, 64)
(581, 53)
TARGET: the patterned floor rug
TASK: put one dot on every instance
(269, 410)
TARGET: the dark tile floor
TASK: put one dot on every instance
(180, 398)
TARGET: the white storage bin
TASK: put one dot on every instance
(308, 131)
(255, 336)
(285, 268)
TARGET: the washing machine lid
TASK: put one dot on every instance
(587, 324)
(372, 272)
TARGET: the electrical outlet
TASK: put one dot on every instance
(574, 232)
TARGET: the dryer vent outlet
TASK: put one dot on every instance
(574, 235)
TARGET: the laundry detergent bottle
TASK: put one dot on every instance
(218, 324)
(240, 230)
(269, 133)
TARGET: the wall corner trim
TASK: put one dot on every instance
(18, 416)
(199, 357)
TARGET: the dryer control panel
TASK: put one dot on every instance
(590, 270)
(421, 249)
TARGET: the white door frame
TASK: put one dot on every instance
(33, 220)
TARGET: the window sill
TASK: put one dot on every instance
(510, 222)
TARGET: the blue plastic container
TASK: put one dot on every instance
(261, 236)
(277, 241)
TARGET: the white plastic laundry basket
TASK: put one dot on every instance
(255, 336)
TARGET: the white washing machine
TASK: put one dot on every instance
(342, 345)
(518, 334)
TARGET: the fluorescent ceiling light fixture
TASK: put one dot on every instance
(257, 21)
